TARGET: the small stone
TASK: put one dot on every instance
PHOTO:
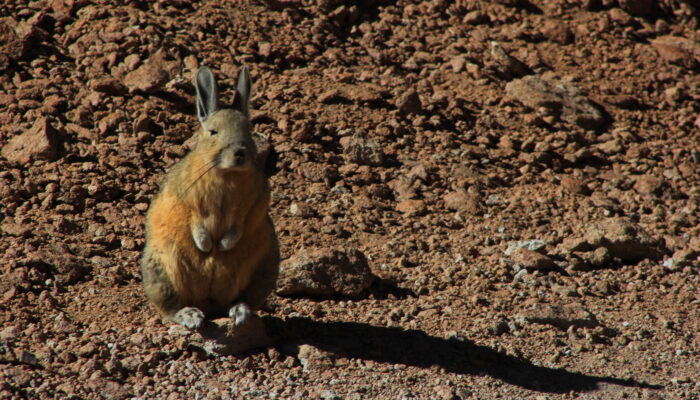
(637, 7)
(444, 392)
(556, 96)
(464, 202)
(9, 333)
(611, 147)
(15, 41)
(574, 185)
(109, 85)
(651, 185)
(457, 63)
(362, 93)
(475, 17)
(624, 101)
(678, 50)
(331, 96)
(557, 32)
(411, 207)
(531, 259)
(300, 209)
(264, 49)
(315, 359)
(42, 142)
(362, 150)
(624, 239)
(409, 102)
(508, 66)
(599, 257)
(142, 124)
(533, 245)
(500, 327)
(12, 228)
(150, 77)
(325, 272)
(560, 316)
(107, 388)
(620, 16)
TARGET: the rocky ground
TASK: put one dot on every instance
(501, 199)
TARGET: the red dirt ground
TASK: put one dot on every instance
(455, 164)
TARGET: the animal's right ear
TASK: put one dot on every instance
(207, 94)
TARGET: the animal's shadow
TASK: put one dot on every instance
(416, 348)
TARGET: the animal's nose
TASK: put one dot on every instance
(239, 156)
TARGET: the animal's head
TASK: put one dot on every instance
(225, 138)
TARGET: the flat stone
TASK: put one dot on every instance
(532, 259)
(560, 316)
(560, 97)
(222, 337)
(533, 245)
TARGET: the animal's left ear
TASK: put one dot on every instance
(207, 94)
(243, 91)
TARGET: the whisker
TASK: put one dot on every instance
(207, 167)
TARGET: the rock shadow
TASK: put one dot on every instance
(418, 349)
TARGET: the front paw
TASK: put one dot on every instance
(189, 317)
(240, 313)
(202, 239)
(230, 239)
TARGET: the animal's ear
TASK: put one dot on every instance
(243, 91)
(207, 94)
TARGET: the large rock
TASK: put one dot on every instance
(325, 272)
(41, 142)
(222, 337)
(559, 97)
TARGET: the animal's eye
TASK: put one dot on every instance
(212, 132)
